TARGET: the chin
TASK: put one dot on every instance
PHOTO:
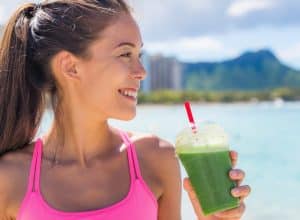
(126, 116)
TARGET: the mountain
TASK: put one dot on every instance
(250, 71)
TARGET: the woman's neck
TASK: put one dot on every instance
(80, 144)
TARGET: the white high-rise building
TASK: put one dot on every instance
(146, 83)
(166, 73)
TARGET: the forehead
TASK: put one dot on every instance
(123, 29)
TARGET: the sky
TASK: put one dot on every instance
(213, 30)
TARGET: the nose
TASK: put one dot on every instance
(139, 71)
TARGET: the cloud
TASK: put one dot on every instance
(197, 43)
(291, 54)
(244, 7)
(229, 45)
(171, 19)
(211, 29)
(191, 49)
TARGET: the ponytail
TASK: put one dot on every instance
(21, 101)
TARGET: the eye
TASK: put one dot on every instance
(129, 54)
(126, 55)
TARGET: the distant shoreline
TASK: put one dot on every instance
(221, 103)
(177, 97)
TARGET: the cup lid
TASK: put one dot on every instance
(210, 137)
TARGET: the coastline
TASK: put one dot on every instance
(237, 103)
(278, 96)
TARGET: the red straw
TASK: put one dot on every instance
(190, 115)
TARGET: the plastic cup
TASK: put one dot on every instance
(205, 157)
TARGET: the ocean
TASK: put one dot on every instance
(266, 136)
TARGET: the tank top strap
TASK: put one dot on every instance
(34, 174)
(132, 156)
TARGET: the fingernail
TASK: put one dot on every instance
(234, 174)
(235, 191)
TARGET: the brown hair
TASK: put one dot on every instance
(33, 35)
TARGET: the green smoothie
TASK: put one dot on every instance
(208, 173)
(205, 157)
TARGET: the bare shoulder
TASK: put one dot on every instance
(163, 162)
(154, 147)
(14, 168)
(158, 152)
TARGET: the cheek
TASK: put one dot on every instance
(100, 91)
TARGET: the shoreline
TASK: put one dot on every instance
(241, 103)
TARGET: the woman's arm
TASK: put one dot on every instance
(170, 201)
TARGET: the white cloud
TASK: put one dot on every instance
(200, 43)
(291, 52)
(190, 44)
(291, 55)
(173, 26)
(243, 7)
(171, 19)
(191, 49)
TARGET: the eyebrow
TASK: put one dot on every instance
(128, 44)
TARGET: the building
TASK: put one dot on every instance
(146, 83)
(166, 73)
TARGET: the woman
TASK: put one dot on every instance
(83, 56)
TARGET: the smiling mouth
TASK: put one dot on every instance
(129, 93)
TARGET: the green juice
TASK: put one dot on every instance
(209, 176)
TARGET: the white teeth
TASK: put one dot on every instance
(129, 93)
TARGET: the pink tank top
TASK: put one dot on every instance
(140, 202)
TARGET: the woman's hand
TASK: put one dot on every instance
(240, 192)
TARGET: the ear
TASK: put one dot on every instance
(65, 63)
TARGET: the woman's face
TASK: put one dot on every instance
(111, 77)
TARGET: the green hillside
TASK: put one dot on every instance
(251, 71)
